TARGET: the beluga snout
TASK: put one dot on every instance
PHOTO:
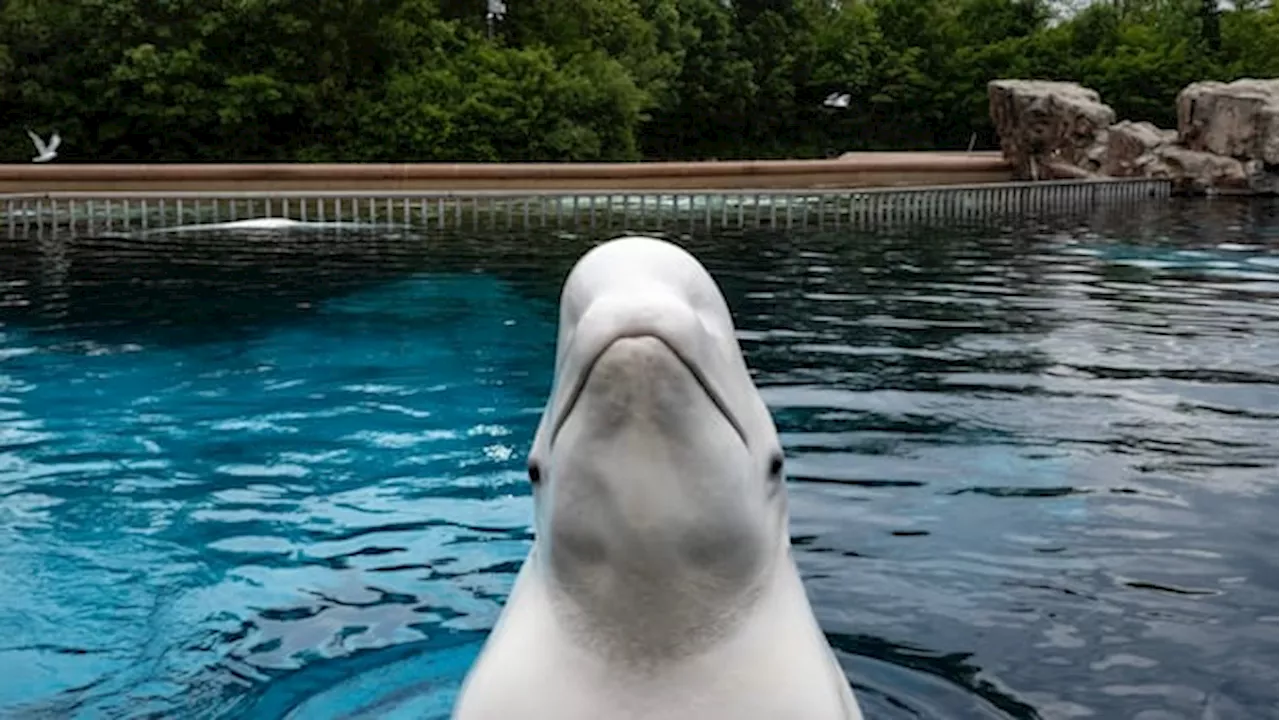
(642, 346)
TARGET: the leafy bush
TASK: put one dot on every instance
(556, 80)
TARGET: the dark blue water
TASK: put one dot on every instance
(258, 476)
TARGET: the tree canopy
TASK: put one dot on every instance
(433, 80)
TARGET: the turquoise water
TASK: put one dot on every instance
(282, 475)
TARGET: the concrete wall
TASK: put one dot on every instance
(852, 170)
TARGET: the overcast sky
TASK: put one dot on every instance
(1069, 7)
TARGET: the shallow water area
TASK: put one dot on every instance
(281, 473)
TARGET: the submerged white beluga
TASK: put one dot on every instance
(660, 584)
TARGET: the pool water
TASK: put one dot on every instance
(267, 475)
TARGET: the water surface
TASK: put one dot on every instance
(266, 475)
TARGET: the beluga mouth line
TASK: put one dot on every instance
(706, 385)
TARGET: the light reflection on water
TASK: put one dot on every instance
(1033, 469)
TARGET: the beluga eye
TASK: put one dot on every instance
(535, 472)
(775, 465)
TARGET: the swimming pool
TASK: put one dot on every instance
(1033, 468)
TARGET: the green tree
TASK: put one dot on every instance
(713, 89)
(334, 80)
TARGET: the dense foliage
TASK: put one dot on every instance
(431, 80)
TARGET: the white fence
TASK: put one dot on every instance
(94, 213)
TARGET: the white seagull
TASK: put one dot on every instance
(47, 152)
(837, 100)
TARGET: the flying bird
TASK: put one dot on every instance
(48, 151)
(837, 100)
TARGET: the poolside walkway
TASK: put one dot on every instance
(851, 170)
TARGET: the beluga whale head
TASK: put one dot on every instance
(657, 470)
(660, 583)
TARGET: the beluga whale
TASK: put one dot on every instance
(660, 584)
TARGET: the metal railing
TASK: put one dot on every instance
(94, 213)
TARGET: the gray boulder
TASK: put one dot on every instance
(1128, 141)
(1225, 142)
(1194, 172)
(1043, 122)
(1237, 119)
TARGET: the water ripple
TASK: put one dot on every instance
(1032, 467)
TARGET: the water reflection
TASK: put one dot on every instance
(1033, 467)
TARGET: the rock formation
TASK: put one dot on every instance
(1045, 126)
(1197, 173)
(1237, 119)
(1127, 148)
(1225, 141)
